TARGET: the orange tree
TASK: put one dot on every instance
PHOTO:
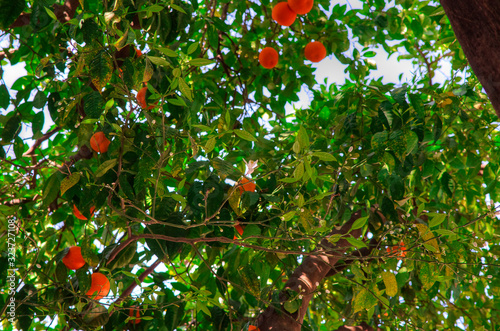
(341, 185)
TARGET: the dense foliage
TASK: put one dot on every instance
(415, 166)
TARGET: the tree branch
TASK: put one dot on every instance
(141, 278)
(305, 280)
(40, 140)
(63, 13)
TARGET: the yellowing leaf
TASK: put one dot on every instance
(104, 167)
(391, 285)
(234, 201)
(364, 300)
(69, 182)
(428, 238)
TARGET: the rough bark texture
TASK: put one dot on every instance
(477, 26)
(305, 280)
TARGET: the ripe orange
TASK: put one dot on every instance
(99, 286)
(74, 259)
(244, 184)
(79, 215)
(315, 51)
(268, 57)
(253, 328)
(283, 14)
(135, 320)
(99, 142)
(138, 52)
(301, 7)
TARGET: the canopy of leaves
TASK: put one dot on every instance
(419, 161)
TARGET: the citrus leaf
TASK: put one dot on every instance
(359, 223)
(209, 146)
(199, 62)
(245, 135)
(436, 220)
(69, 182)
(324, 156)
(391, 285)
(104, 167)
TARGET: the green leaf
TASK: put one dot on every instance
(104, 167)
(303, 138)
(299, 171)
(185, 89)
(210, 145)
(291, 306)
(391, 285)
(178, 8)
(167, 51)
(159, 61)
(51, 14)
(199, 62)
(356, 242)
(437, 219)
(69, 182)
(324, 156)
(359, 223)
(251, 230)
(39, 100)
(11, 129)
(155, 8)
(4, 97)
(364, 300)
(192, 48)
(288, 216)
(93, 104)
(245, 135)
(51, 189)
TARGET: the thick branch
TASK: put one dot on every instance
(63, 13)
(306, 279)
(476, 25)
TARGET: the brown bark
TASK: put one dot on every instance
(477, 26)
(305, 280)
(63, 13)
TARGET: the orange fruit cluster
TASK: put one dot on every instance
(398, 250)
(99, 286)
(79, 215)
(74, 259)
(285, 13)
(253, 328)
(99, 142)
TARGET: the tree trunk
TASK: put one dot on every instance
(477, 26)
